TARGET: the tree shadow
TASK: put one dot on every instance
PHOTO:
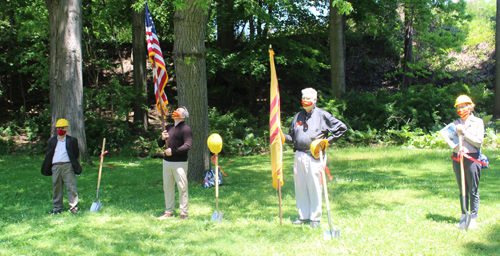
(490, 246)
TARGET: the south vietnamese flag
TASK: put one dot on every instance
(277, 137)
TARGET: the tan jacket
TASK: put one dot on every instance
(474, 134)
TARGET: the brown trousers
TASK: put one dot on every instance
(64, 175)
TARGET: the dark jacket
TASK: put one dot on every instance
(73, 154)
(307, 127)
(180, 138)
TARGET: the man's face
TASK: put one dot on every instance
(181, 112)
(308, 97)
(61, 131)
(462, 106)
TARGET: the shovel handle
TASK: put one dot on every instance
(216, 175)
(323, 176)
(100, 165)
(462, 171)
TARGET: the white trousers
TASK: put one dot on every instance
(175, 173)
(307, 177)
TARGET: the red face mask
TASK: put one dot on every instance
(307, 103)
(463, 113)
(176, 115)
(61, 132)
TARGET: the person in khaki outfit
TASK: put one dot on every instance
(175, 163)
(61, 162)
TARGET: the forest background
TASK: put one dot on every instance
(405, 63)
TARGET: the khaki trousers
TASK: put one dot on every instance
(64, 175)
(307, 178)
(175, 173)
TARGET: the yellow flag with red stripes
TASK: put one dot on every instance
(277, 137)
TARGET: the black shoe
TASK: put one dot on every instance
(54, 211)
(315, 224)
(300, 222)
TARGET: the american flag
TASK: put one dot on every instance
(156, 57)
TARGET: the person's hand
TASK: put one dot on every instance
(164, 135)
(460, 128)
(168, 151)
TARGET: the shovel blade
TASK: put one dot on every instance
(334, 233)
(217, 216)
(95, 207)
(465, 225)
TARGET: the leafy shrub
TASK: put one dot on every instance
(240, 131)
(6, 146)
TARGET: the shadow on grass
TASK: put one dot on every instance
(441, 218)
(491, 246)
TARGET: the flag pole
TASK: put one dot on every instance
(161, 109)
(279, 188)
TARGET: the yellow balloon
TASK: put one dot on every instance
(214, 143)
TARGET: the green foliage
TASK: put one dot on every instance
(6, 146)
(239, 131)
(411, 116)
(482, 27)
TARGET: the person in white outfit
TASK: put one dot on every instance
(308, 125)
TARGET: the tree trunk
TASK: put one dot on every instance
(496, 105)
(251, 28)
(337, 52)
(190, 69)
(66, 84)
(408, 54)
(139, 62)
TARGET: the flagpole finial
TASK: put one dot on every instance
(270, 46)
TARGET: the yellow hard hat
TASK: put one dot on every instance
(214, 143)
(62, 123)
(463, 99)
(318, 145)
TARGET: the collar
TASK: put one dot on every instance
(310, 113)
(175, 124)
(63, 140)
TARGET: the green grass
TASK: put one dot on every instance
(385, 201)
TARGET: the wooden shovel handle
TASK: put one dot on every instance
(100, 165)
(462, 171)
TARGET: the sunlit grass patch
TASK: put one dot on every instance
(385, 201)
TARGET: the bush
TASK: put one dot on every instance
(6, 146)
(240, 131)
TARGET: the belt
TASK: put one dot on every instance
(307, 151)
(61, 163)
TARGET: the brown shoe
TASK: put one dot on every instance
(74, 210)
(183, 217)
(166, 216)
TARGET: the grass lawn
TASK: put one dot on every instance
(385, 201)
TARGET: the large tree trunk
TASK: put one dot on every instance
(408, 54)
(190, 69)
(337, 52)
(139, 62)
(496, 105)
(66, 84)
